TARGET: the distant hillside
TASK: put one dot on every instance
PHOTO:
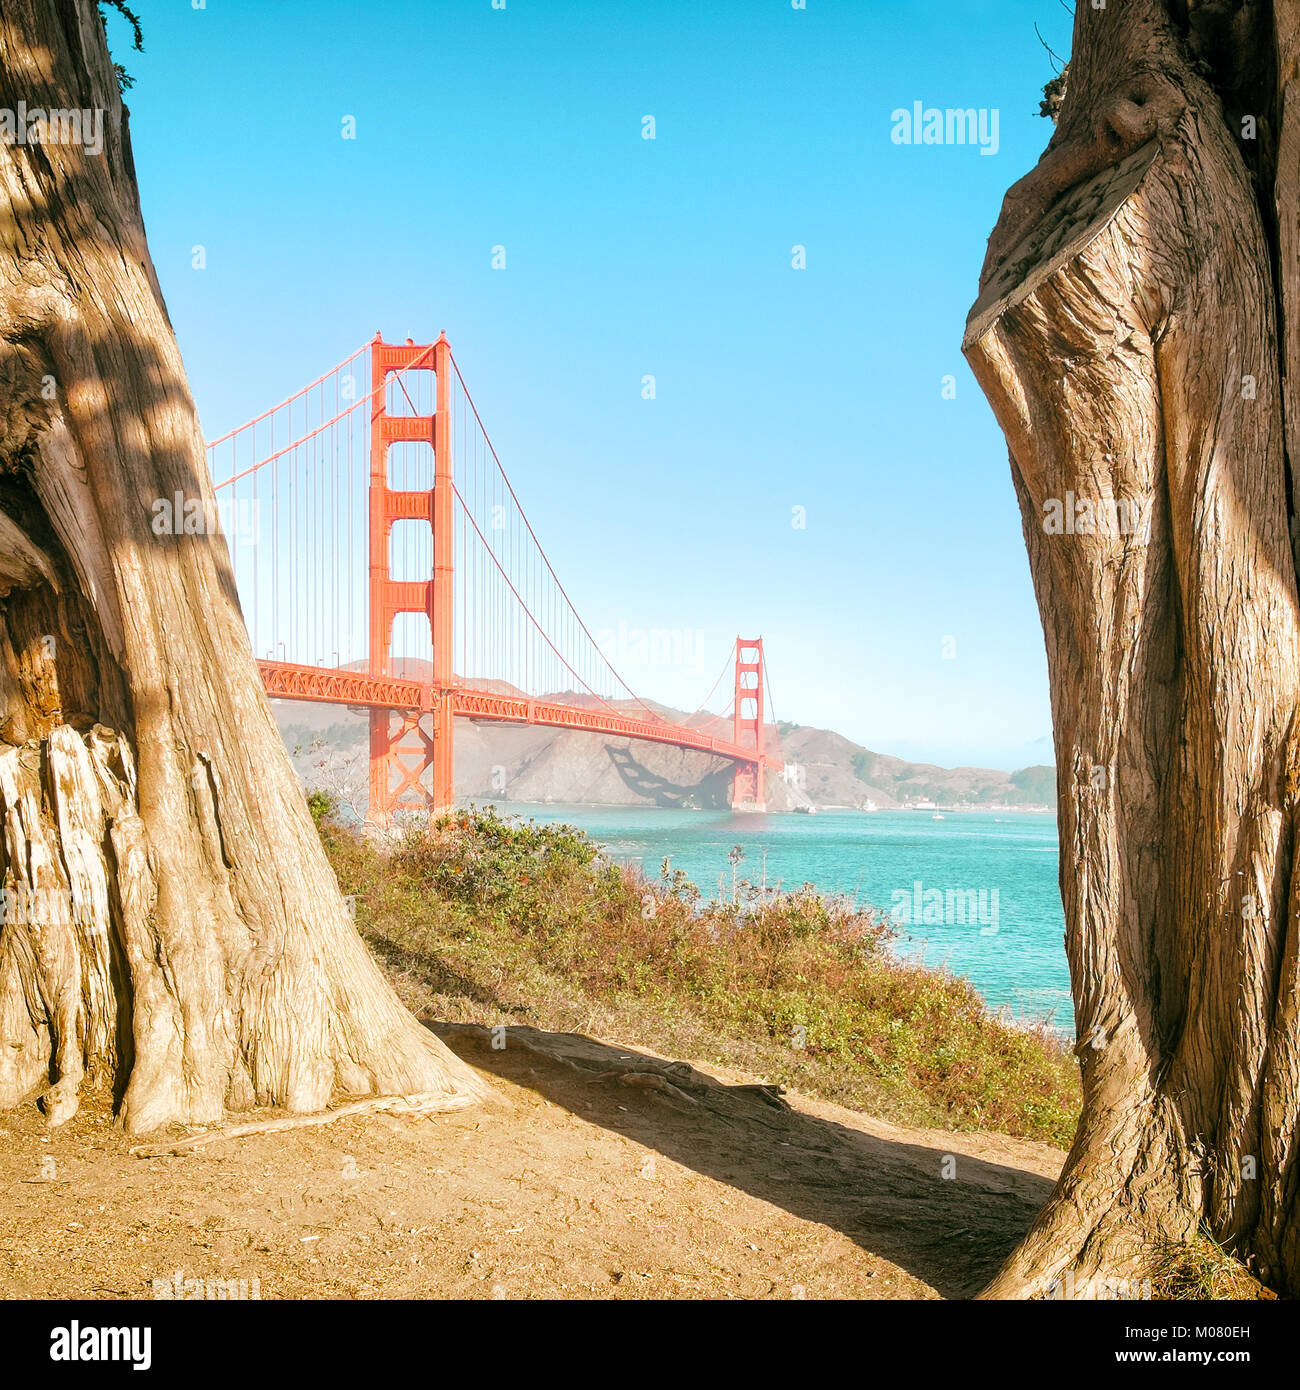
(504, 762)
(838, 772)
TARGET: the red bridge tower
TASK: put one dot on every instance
(748, 790)
(401, 746)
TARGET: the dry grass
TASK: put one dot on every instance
(492, 921)
(1202, 1269)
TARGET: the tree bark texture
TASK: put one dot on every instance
(171, 924)
(1136, 334)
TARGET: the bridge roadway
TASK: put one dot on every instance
(328, 685)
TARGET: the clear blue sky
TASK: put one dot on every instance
(776, 388)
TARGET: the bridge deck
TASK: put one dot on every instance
(326, 685)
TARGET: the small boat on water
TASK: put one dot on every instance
(936, 816)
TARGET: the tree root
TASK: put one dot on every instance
(428, 1103)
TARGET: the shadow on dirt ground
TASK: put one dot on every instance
(923, 1199)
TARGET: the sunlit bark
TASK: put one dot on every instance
(172, 924)
(1131, 337)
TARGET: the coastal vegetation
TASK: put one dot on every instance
(490, 919)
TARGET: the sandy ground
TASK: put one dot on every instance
(573, 1183)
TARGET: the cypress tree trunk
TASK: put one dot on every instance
(171, 922)
(1136, 335)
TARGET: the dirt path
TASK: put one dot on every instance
(572, 1184)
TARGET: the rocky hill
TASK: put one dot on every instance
(838, 772)
(503, 763)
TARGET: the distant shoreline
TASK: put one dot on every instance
(504, 804)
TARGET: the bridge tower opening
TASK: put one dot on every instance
(404, 744)
(748, 788)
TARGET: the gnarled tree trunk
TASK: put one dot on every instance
(170, 920)
(1136, 334)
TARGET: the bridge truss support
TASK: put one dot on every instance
(748, 788)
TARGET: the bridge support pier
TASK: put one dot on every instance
(442, 791)
(400, 750)
(748, 788)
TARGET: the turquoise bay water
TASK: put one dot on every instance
(1010, 948)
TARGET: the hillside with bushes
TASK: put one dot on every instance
(505, 763)
(490, 919)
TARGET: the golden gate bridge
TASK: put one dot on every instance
(370, 510)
